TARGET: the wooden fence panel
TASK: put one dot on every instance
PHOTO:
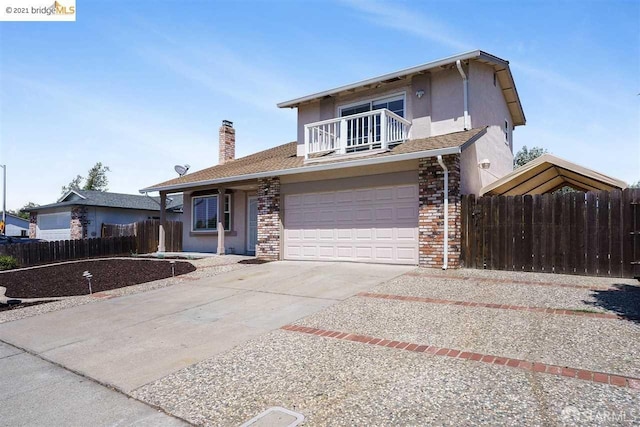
(594, 233)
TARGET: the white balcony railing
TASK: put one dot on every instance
(377, 129)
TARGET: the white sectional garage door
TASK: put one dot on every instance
(54, 226)
(366, 225)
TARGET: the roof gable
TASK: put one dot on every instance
(548, 173)
(500, 66)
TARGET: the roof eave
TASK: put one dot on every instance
(313, 168)
(407, 71)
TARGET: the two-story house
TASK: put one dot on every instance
(375, 174)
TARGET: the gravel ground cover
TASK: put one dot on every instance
(58, 280)
(596, 344)
(458, 288)
(335, 382)
(205, 267)
(528, 276)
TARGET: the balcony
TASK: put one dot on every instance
(371, 130)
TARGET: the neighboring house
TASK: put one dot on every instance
(16, 226)
(369, 176)
(80, 214)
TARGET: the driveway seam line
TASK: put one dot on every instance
(277, 293)
(96, 381)
(528, 308)
(535, 367)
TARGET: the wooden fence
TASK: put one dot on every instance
(28, 254)
(146, 234)
(595, 233)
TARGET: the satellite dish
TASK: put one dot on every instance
(181, 170)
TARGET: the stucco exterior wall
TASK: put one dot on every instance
(447, 102)
(16, 227)
(490, 146)
(349, 183)
(487, 105)
(235, 241)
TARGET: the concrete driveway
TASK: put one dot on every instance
(129, 341)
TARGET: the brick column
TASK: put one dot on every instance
(431, 212)
(79, 223)
(33, 223)
(268, 219)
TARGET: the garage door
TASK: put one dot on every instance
(54, 226)
(365, 225)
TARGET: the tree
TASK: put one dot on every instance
(96, 180)
(525, 155)
(635, 184)
(73, 185)
(23, 211)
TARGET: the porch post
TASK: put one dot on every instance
(221, 224)
(163, 222)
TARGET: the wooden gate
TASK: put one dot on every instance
(147, 234)
(595, 233)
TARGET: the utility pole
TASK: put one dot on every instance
(4, 199)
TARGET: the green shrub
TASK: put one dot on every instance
(8, 262)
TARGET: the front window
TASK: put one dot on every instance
(205, 213)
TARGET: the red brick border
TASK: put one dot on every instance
(515, 282)
(581, 374)
(498, 306)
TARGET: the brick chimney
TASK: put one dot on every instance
(227, 142)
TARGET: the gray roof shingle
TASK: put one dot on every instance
(116, 200)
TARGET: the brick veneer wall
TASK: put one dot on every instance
(79, 223)
(33, 223)
(268, 218)
(227, 141)
(431, 215)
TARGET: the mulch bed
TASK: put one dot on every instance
(61, 280)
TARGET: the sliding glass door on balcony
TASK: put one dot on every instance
(365, 132)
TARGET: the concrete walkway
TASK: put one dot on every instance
(35, 392)
(127, 342)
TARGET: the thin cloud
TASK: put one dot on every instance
(399, 18)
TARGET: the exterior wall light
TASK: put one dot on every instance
(484, 164)
(420, 93)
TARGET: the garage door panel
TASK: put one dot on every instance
(406, 234)
(384, 253)
(384, 194)
(343, 197)
(364, 253)
(368, 225)
(326, 252)
(406, 253)
(407, 192)
(326, 234)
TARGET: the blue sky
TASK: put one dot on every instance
(142, 86)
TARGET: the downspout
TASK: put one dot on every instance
(465, 89)
(445, 197)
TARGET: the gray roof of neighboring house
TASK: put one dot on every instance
(114, 200)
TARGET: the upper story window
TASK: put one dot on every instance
(506, 132)
(205, 213)
(394, 104)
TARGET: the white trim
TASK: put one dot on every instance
(315, 168)
(68, 193)
(209, 230)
